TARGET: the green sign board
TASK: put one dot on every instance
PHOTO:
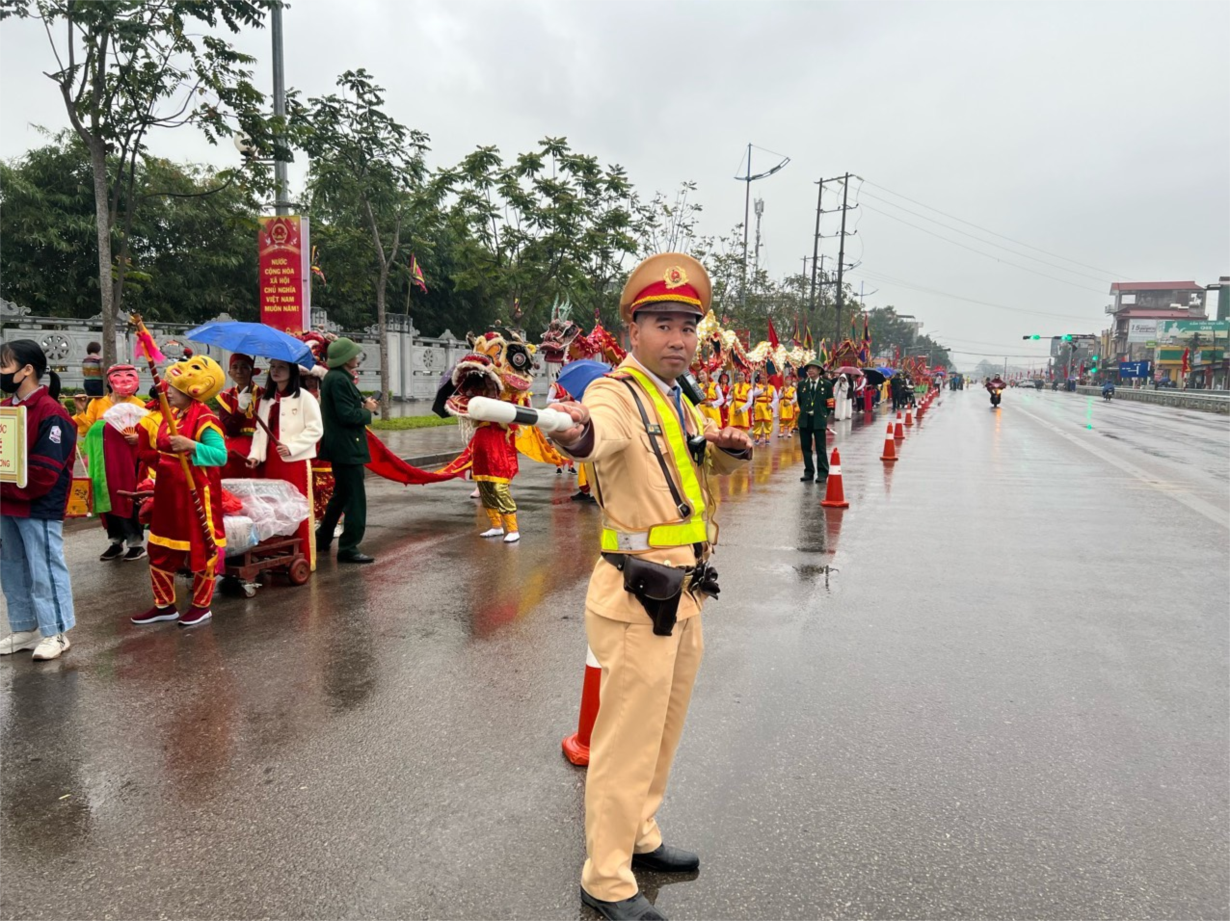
(1170, 332)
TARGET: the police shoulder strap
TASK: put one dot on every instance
(652, 431)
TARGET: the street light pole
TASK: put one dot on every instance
(281, 205)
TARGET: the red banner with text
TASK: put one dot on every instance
(284, 247)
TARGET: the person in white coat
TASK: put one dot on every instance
(291, 422)
(842, 408)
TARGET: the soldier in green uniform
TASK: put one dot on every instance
(813, 395)
(346, 416)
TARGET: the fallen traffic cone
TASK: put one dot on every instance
(576, 746)
(909, 419)
(899, 431)
(890, 448)
(835, 496)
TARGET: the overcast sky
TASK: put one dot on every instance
(1099, 133)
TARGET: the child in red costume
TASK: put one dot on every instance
(176, 539)
(237, 408)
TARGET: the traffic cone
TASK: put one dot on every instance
(909, 418)
(576, 746)
(899, 431)
(890, 447)
(835, 495)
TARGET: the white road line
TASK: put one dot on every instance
(1207, 509)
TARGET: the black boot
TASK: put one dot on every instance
(667, 860)
(636, 908)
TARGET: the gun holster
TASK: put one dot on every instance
(658, 588)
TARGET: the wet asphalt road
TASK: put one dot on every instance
(995, 686)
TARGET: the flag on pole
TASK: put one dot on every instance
(773, 340)
(807, 341)
(794, 337)
(416, 274)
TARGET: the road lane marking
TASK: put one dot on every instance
(1207, 509)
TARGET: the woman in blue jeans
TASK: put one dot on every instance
(36, 586)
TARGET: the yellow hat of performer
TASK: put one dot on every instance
(199, 376)
(671, 282)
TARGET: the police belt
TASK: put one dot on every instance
(659, 587)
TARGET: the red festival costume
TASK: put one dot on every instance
(175, 538)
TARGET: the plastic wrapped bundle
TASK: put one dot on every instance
(240, 534)
(275, 506)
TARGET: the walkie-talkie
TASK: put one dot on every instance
(690, 388)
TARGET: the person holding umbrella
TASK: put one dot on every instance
(346, 415)
(289, 424)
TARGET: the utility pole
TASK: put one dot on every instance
(841, 252)
(281, 205)
(759, 215)
(748, 179)
(815, 251)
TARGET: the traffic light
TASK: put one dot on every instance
(1067, 337)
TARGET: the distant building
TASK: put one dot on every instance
(1138, 308)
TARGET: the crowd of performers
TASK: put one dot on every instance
(159, 462)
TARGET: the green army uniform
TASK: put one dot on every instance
(344, 444)
(813, 398)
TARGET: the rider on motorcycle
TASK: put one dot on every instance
(1108, 389)
(995, 387)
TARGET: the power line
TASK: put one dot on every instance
(901, 283)
(994, 234)
(966, 233)
(1024, 268)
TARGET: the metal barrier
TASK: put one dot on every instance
(1218, 402)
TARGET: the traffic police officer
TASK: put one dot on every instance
(813, 397)
(651, 452)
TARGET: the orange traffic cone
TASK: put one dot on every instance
(909, 418)
(576, 746)
(890, 448)
(899, 431)
(835, 496)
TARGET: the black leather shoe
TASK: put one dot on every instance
(807, 478)
(636, 908)
(355, 557)
(667, 860)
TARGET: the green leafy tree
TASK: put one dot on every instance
(189, 256)
(368, 170)
(552, 224)
(126, 68)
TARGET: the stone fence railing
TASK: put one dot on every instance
(416, 363)
(1217, 402)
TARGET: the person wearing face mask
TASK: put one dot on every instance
(32, 569)
(176, 538)
(292, 424)
(112, 461)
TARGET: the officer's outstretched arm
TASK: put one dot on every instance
(611, 422)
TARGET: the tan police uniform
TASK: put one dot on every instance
(646, 678)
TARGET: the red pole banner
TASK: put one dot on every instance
(284, 247)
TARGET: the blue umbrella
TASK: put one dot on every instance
(577, 375)
(255, 339)
(887, 372)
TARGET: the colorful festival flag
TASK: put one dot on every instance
(773, 340)
(416, 274)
